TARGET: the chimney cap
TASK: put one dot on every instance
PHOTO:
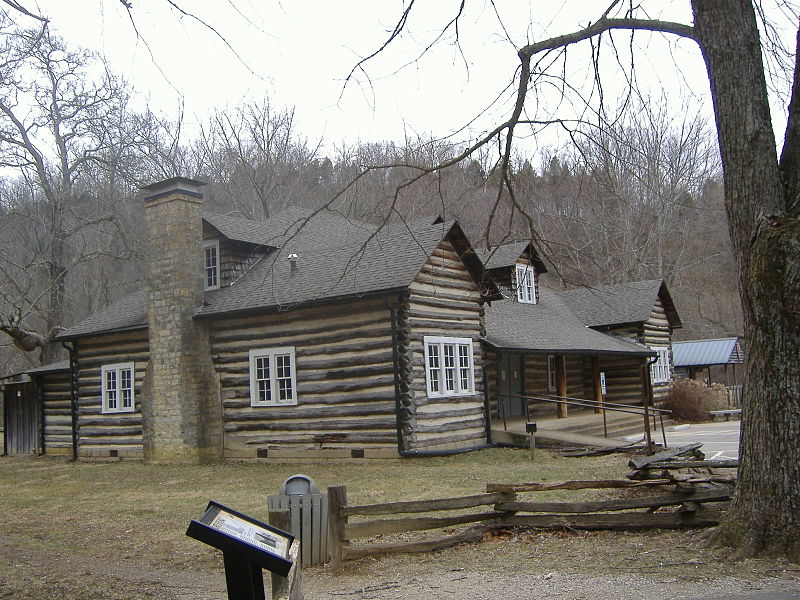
(184, 185)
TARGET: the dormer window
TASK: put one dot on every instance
(526, 287)
(211, 257)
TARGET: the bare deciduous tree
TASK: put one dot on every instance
(762, 204)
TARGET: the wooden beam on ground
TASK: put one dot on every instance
(573, 485)
(618, 521)
(694, 464)
(473, 534)
(643, 461)
(613, 505)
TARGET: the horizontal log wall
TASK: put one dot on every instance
(344, 375)
(623, 379)
(445, 301)
(116, 433)
(656, 333)
(57, 413)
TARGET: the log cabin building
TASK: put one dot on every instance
(603, 344)
(311, 334)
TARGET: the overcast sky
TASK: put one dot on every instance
(298, 54)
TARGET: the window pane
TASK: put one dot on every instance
(126, 387)
(464, 371)
(433, 367)
(111, 390)
(263, 383)
(449, 367)
(283, 365)
(211, 266)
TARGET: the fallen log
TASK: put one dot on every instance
(573, 485)
(617, 521)
(473, 534)
(642, 462)
(694, 464)
(716, 495)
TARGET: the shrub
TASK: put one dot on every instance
(690, 400)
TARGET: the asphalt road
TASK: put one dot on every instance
(720, 440)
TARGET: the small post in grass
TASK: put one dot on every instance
(530, 428)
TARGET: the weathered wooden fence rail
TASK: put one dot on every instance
(504, 513)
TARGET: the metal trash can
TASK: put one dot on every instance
(308, 515)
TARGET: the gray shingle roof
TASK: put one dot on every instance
(326, 226)
(331, 265)
(550, 327)
(706, 352)
(507, 255)
(56, 367)
(128, 313)
(619, 303)
(338, 257)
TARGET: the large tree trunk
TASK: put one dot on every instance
(762, 213)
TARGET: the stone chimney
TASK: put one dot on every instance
(180, 412)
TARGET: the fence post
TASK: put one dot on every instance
(337, 499)
(286, 588)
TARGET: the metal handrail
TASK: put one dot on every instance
(593, 403)
(583, 402)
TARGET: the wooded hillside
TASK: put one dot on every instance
(640, 200)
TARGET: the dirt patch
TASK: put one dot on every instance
(556, 566)
(27, 573)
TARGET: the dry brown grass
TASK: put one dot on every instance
(137, 515)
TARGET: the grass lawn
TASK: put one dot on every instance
(137, 514)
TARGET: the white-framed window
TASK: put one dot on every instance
(117, 388)
(211, 262)
(449, 369)
(272, 377)
(526, 286)
(551, 373)
(660, 370)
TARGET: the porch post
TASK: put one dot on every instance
(561, 385)
(598, 389)
(647, 399)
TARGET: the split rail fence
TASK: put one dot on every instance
(501, 508)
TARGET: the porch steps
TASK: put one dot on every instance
(582, 429)
(555, 438)
(620, 425)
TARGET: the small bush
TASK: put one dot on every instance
(690, 400)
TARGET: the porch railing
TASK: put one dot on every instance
(644, 411)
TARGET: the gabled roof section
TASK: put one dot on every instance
(56, 367)
(337, 262)
(620, 303)
(336, 258)
(701, 353)
(126, 314)
(506, 256)
(325, 226)
(549, 327)
(239, 230)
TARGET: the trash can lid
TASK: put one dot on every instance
(299, 484)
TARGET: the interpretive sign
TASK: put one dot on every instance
(248, 546)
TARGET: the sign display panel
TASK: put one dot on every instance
(249, 532)
(243, 539)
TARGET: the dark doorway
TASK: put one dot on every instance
(20, 402)
(512, 384)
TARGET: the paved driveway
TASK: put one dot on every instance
(720, 440)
